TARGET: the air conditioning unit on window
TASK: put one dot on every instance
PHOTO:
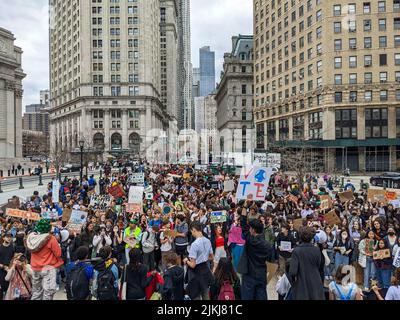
(368, 63)
(353, 46)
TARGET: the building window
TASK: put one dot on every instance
(368, 96)
(283, 129)
(337, 27)
(338, 97)
(367, 25)
(353, 61)
(382, 24)
(376, 123)
(338, 44)
(338, 79)
(337, 10)
(382, 6)
(383, 95)
(346, 123)
(383, 42)
(367, 43)
(353, 78)
(244, 89)
(315, 125)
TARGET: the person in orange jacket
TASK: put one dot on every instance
(45, 261)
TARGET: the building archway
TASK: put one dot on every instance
(116, 141)
(134, 143)
(98, 142)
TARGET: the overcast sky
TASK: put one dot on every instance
(214, 22)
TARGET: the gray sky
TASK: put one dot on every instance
(214, 22)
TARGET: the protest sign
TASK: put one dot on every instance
(274, 160)
(218, 216)
(229, 185)
(285, 246)
(186, 176)
(219, 178)
(391, 195)
(381, 254)
(346, 196)
(376, 195)
(77, 220)
(91, 193)
(271, 270)
(153, 175)
(166, 209)
(22, 214)
(396, 259)
(148, 189)
(149, 196)
(51, 215)
(326, 202)
(137, 178)
(293, 198)
(66, 214)
(116, 191)
(134, 208)
(214, 184)
(136, 194)
(331, 218)
(369, 246)
(174, 176)
(260, 159)
(170, 233)
(100, 201)
(13, 203)
(253, 183)
(56, 191)
(200, 167)
(395, 203)
(131, 241)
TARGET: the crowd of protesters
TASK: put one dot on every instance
(180, 254)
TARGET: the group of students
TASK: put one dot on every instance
(178, 253)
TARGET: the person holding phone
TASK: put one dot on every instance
(19, 277)
(100, 239)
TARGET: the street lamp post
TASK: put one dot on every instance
(81, 145)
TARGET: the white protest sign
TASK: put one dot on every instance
(395, 203)
(148, 189)
(137, 177)
(229, 185)
(253, 183)
(274, 160)
(153, 176)
(136, 194)
(396, 260)
(200, 167)
(149, 196)
(56, 191)
(260, 159)
(286, 246)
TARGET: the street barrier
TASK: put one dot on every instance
(20, 183)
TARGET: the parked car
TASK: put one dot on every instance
(70, 168)
(387, 179)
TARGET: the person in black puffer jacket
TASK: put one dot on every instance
(173, 279)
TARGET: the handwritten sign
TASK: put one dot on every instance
(381, 254)
(331, 218)
(136, 194)
(218, 217)
(137, 178)
(131, 241)
(100, 201)
(22, 214)
(116, 191)
(376, 195)
(346, 196)
(77, 220)
(253, 183)
(51, 215)
(396, 260)
(326, 202)
(149, 196)
(134, 208)
(286, 246)
(369, 246)
(229, 185)
(391, 195)
(153, 176)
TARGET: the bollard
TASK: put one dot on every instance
(9, 173)
(23, 171)
(20, 183)
(40, 180)
(29, 171)
(1, 173)
(1, 191)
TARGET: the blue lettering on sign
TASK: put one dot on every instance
(244, 183)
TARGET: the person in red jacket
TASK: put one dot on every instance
(45, 260)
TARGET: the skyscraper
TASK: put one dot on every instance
(106, 72)
(207, 71)
(185, 77)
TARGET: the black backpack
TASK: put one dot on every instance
(105, 285)
(77, 284)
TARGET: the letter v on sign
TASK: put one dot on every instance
(246, 175)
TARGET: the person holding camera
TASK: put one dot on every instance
(19, 277)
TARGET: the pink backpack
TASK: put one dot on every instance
(226, 292)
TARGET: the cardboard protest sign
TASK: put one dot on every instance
(331, 218)
(166, 209)
(293, 198)
(376, 195)
(116, 191)
(218, 217)
(346, 196)
(186, 176)
(66, 214)
(381, 254)
(391, 195)
(77, 220)
(326, 202)
(131, 241)
(153, 175)
(369, 246)
(134, 208)
(13, 203)
(174, 176)
(49, 215)
(271, 270)
(395, 203)
(136, 194)
(253, 183)
(229, 185)
(33, 216)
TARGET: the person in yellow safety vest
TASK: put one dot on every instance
(132, 230)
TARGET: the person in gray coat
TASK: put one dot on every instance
(304, 271)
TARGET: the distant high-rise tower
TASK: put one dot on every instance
(196, 83)
(185, 108)
(207, 71)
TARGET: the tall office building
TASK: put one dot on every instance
(36, 118)
(196, 83)
(326, 77)
(207, 71)
(105, 71)
(11, 76)
(185, 77)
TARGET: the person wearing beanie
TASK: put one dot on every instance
(45, 260)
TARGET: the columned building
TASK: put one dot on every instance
(327, 78)
(106, 75)
(234, 98)
(11, 76)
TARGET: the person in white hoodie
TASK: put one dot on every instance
(100, 239)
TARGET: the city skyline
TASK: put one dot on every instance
(33, 16)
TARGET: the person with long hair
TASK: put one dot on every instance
(339, 290)
(393, 292)
(365, 259)
(134, 280)
(225, 273)
(19, 277)
(383, 265)
(343, 247)
(219, 246)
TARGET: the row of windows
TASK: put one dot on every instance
(352, 8)
(353, 77)
(115, 10)
(115, 66)
(132, 78)
(115, 91)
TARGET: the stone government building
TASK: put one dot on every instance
(11, 76)
(327, 75)
(114, 74)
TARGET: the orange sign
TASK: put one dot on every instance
(391, 195)
(23, 214)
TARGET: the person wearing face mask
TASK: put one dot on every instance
(6, 254)
(100, 239)
(383, 266)
(343, 247)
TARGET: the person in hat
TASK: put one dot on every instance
(6, 254)
(45, 261)
(132, 231)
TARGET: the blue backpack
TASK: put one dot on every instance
(342, 296)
